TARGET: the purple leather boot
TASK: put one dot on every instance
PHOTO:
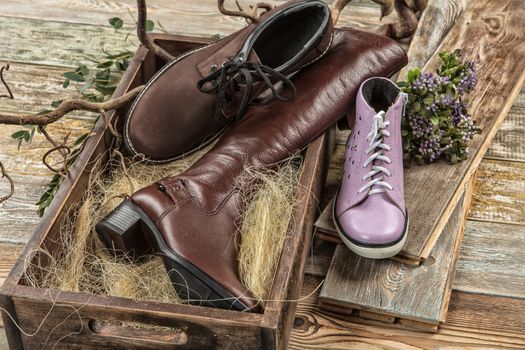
(369, 210)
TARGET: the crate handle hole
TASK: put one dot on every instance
(139, 331)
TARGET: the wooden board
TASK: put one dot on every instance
(492, 34)
(508, 143)
(492, 260)
(500, 192)
(34, 88)
(474, 322)
(391, 292)
(178, 17)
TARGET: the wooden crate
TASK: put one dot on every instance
(61, 319)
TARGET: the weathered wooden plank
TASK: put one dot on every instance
(508, 143)
(9, 254)
(390, 288)
(473, 322)
(178, 17)
(18, 216)
(56, 43)
(499, 195)
(434, 24)
(68, 42)
(490, 33)
(492, 260)
(35, 87)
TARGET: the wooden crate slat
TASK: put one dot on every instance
(391, 288)
(492, 260)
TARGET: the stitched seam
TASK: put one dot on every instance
(153, 80)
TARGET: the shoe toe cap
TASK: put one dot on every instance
(374, 222)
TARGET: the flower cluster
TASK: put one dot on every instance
(437, 123)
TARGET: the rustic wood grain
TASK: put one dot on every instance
(508, 143)
(473, 322)
(492, 260)
(393, 289)
(491, 33)
(9, 254)
(56, 43)
(34, 88)
(81, 28)
(178, 17)
(499, 195)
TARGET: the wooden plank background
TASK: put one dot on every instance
(480, 314)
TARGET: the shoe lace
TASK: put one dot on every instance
(234, 73)
(377, 146)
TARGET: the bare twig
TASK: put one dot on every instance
(337, 7)
(251, 17)
(11, 183)
(387, 6)
(10, 94)
(144, 36)
(61, 149)
(68, 106)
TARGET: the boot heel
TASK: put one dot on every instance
(122, 231)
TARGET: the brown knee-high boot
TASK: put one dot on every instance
(190, 219)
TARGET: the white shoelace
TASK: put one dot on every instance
(376, 137)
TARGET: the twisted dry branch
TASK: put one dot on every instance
(11, 183)
(407, 11)
(143, 35)
(68, 106)
(9, 94)
(250, 16)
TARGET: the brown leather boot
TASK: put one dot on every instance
(191, 100)
(190, 219)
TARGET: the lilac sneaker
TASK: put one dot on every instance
(369, 210)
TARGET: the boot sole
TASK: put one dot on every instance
(370, 251)
(128, 230)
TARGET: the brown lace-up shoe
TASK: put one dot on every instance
(190, 101)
